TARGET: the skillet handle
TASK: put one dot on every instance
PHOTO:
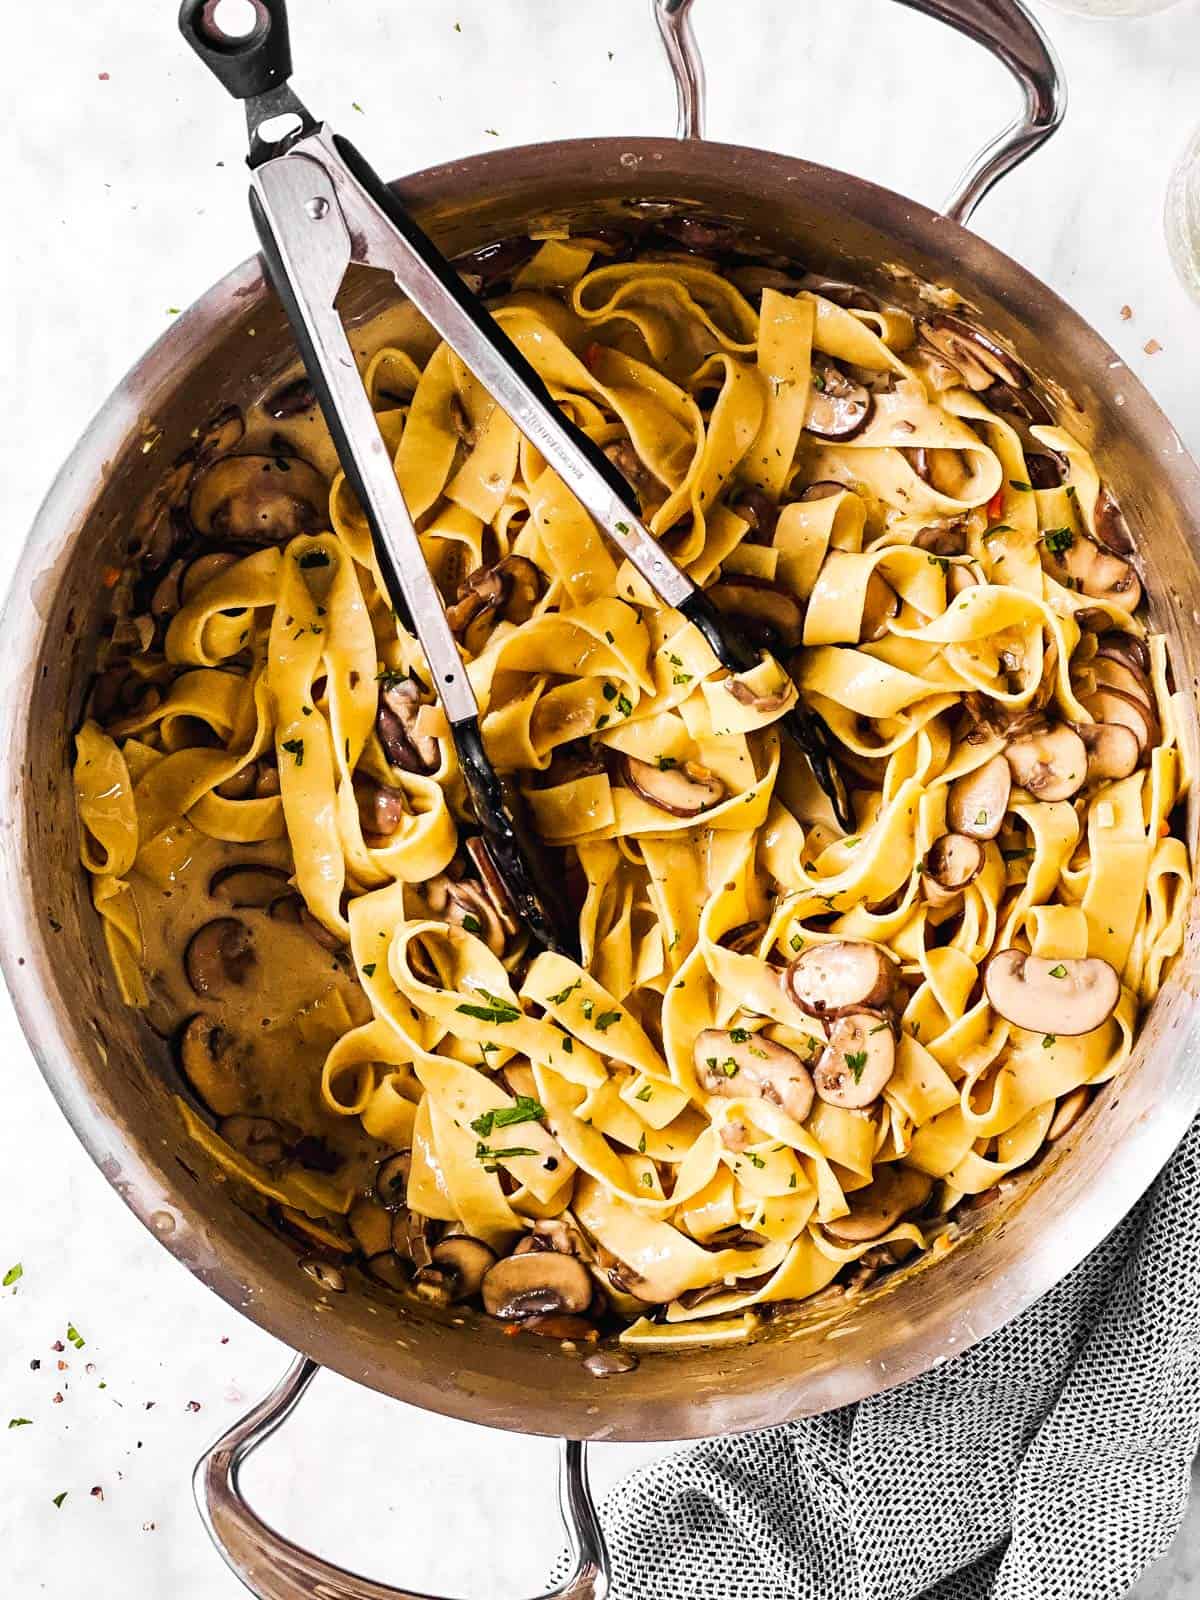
(1004, 27)
(273, 1568)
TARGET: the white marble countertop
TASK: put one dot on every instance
(125, 199)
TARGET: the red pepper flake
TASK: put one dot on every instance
(592, 355)
(995, 505)
(1126, 313)
(63, 1366)
(103, 77)
(192, 1405)
(1152, 347)
(97, 1492)
(58, 1399)
(35, 1365)
(149, 1527)
(58, 1345)
(150, 1405)
(225, 1340)
(111, 577)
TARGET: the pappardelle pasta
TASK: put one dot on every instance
(790, 1055)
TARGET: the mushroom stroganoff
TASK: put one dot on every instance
(789, 1055)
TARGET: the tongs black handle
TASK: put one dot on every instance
(248, 64)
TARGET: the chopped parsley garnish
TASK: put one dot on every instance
(295, 747)
(792, 1181)
(75, 1337)
(856, 1060)
(490, 1157)
(609, 636)
(729, 1067)
(20, 1422)
(609, 691)
(665, 763)
(1017, 855)
(587, 1006)
(369, 968)
(313, 558)
(681, 677)
(1058, 540)
(1019, 483)
(526, 1109)
(939, 561)
(739, 1035)
(755, 1159)
(796, 942)
(647, 1180)
(11, 1276)
(606, 1019)
(818, 381)
(1048, 1039)
(471, 923)
(644, 1092)
(981, 819)
(59, 1498)
(642, 1144)
(568, 1045)
(497, 1010)
(621, 527)
(624, 705)
(387, 679)
(1059, 971)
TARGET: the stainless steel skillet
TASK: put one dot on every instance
(103, 1064)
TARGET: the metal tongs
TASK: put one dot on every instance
(318, 207)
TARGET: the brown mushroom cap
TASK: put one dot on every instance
(208, 1055)
(1065, 997)
(463, 904)
(510, 590)
(857, 1063)
(838, 407)
(893, 1191)
(951, 862)
(1124, 711)
(943, 539)
(412, 1236)
(202, 571)
(538, 1283)
(493, 884)
(823, 489)
(381, 809)
(219, 957)
(222, 433)
(840, 976)
(388, 1268)
(260, 1139)
(977, 802)
(465, 1261)
(1111, 673)
(1113, 751)
(682, 791)
(264, 499)
(739, 1063)
(979, 359)
(404, 747)
(769, 615)
(1125, 647)
(1051, 765)
(1093, 571)
(248, 885)
(290, 400)
(391, 1179)
(879, 606)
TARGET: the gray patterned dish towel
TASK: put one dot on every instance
(1051, 1462)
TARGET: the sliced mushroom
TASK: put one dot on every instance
(760, 511)
(493, 884)
(1021, 403)
(463, 904)
(1112, 531)
(1067, 1113)
(325, 1273)
(823, 489)
(509, 590)
(381, 809)
(291, 400)
(391, 1179)
(260, 1139)
(857, 1063)
(739, 1063)
(389, 1269)
(769, 615)
(222, 433)
(947, 471)
(552, 1233)
(1065, 997)
(538, 1283)
(1081, 564)
(950, 864)
(396, 726)
(574, 1330)
(841, 976)
(1113, 751)
(765, 704)
(267, 499)
(894, 1191)
(649, 489)
(219, 957)
(164, 601)
(203, 570)
(209, 1056)
(412, 1236)
(464, 1261)
(1125, 647)
(1111, 673)
(1110, 705)
(838, 407)
(943, 539)
(974, 354)
(258, 781)
(683, 791)
(1051, 765)
(978, 801)
(847, 295)
(1045, 470)
(248, 885)
(371, 1225)
(880, 605)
